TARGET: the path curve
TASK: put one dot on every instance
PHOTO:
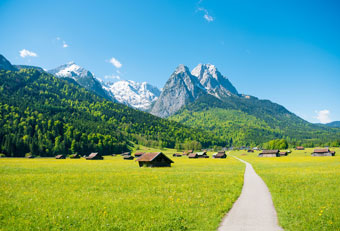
(254, 209)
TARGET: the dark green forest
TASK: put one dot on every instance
(249, 121)
(44, 115)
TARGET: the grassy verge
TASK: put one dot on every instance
(115, 194)
(305, 189)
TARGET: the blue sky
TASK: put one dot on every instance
(286, 51)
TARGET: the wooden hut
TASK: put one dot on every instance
(193, 156)
(270, 153)
(154, 159)
(75, 156)
(138, 154)
(59, 157)
(126, 157)
(220, 155)
(94, 156)
(283, 153)
(299, 148)
(202, 155)
(323, 152)
(177, 155)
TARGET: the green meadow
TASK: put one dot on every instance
(115, 194)
(305, 189)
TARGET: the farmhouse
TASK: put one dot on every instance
(126, 157)
(323, 152)
(193, 155)
(154, 159)
(94, 156)
(220, 155)
(283, 153)
(299, 148)
(202, 155)
(60, 157)
(138, 154)
(269, 153)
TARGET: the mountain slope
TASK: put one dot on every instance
(45, 115)
(5, 64)
(82, 76)
(136, 95)
(181, 89)
(334, 124)
(250, 121)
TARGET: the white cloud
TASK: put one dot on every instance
(115, 63)
(24, 53)
(65, 45)
(206, 15)
(323, 116)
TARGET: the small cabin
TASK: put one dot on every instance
(299, 148)
(283, 153)
(154, 159)
(193, 156)
(126, 157)
(75, 156)
(187, 152)
(177, 155)
(220, 155)
(270, 153)
(323, 152)
(138, 154)
(59, 157)
(126, 154)
(95, 156)
(202, 155)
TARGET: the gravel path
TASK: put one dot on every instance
(254, 209)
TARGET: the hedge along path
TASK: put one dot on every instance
(254, 209)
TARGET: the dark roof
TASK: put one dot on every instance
(270, 151)
(150, 156)
(139, 153)
(321, 150)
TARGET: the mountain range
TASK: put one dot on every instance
(203, 99)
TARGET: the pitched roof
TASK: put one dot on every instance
(93, 154)
(220, 154)
(201, 153)
(270, 151)
(150, 156)
(192, 155)
(283, 153)
(321, 150)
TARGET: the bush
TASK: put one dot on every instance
(28, 154)
(2, 155)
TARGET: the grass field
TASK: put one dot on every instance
(305, 189)
(115, 194)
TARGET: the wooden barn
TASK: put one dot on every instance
(220, 155)
(299, 148)
(202, 155)
(270, 153)
(177, 155)
(323, 152)
(59, 157)
(187, 152)
(154, 159)
(126, 157)
(283, 153)
(193, 156)
(95, 156)
(138, 154)
(75, 156)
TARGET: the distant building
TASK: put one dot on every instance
(250, 150)
(138, 154)
(126, 157)
(270, 153)
(177, 155)
(202, 155)
(154, 159)
(299, 148)
(187, 152)
(283, 153)
(220, 155)
(323, 152)
(94, 156)
(126, 153)
(60, 157)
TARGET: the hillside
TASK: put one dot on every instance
(45, 115)
(250, 121)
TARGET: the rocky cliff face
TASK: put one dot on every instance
(180, 89)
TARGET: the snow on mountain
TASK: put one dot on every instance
(137, 95)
